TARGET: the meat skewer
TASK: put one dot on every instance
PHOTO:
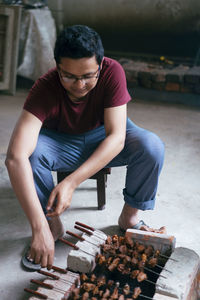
(99, 232)
(40, 295)
(80, 237)
(141, 276)
(153, 263)
(135, 293)
(115, 294)
(110, 287)
(89, 232)
(115, 264)
(134, 260)
(75, 247)
(47, 285)
(60, 270)
(56, 277)
(157, 253)
(149, 270)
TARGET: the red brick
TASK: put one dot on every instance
(159, 76)
(192, 75)
(197, 88)
(185, 89)
(145, 83)
(159, 86)
(190, 78)
(144, 75)
(131, 75)
(172, 87)
(177, 74)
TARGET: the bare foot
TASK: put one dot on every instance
(161, 230)
(56, 227)
(129, 218)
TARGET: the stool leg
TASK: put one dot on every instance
(101, 191)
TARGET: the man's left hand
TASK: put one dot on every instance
(60, 198)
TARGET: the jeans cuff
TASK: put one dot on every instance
(142, 204)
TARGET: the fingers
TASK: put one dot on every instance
(54, 208)
(51, 200)
(38, 257)
(50, 262)
(42, 258)
(58, 211)
(60, 207)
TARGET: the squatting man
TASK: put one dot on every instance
(75, 119)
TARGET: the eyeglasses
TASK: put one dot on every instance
(85, 79)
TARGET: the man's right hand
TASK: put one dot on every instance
(43, 248)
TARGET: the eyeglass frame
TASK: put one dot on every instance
(74, 79)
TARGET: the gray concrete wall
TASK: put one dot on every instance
(169, 16)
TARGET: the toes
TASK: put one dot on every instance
(162, 229)
(146, 228)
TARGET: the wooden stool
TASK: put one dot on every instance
(101, 178)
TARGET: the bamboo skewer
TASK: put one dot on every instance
(140, 295)
(40, 295)
(145, 268)
(75, 247)
(163, 268)
(79, 237)
(55, 277)
(89, 232)
(47, 285)
(168, 257)
(90, 228)
(60, 270)
(147, 297)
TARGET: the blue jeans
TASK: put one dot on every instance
(143, 154)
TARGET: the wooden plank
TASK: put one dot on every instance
(10, 22)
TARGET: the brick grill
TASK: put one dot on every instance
(181, 78)
(181, 278)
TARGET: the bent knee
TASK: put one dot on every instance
(37, 156)
(153, 146)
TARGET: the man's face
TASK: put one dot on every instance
(78, 76)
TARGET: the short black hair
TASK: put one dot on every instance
(78, 41)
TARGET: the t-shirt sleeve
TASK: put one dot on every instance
(39, 100)
(116, 92)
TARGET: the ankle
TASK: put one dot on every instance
(128, 217)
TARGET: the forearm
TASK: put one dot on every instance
(105, 152)
(21, 178)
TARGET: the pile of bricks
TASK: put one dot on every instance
(162, 77)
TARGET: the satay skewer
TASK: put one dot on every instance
(157, 253)
(75, 247)
(40, 295)
(80, 237)
(91, 228)
(141, 276)
(145, 268)
(47, 285)
(144, 296)
(56, 277)
(152, 262)
(89, 232)
(60, 270)
(163, 268)
(139, 294)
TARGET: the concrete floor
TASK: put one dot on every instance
(178, 199)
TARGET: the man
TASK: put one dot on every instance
(75, 119)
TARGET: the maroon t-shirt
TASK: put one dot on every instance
(49, 102)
